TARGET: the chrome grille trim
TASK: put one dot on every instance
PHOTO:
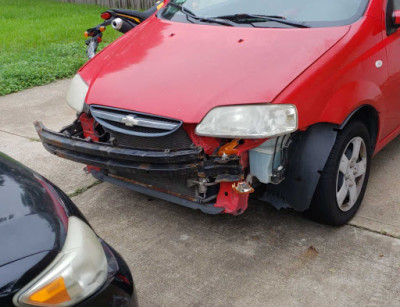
(112, 119)
(134, 120)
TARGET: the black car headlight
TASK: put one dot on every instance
(77, 272)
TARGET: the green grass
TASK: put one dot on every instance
(83, 190)
(42, 40)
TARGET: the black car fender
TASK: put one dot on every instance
(307, 156)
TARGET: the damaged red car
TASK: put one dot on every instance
(209, 102)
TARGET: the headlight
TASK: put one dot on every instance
(76, 273)
(249, 121)
(77, 93)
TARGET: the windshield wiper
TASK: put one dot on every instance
(253, 18)
(189, 13)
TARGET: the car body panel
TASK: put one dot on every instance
(27, 236)
(33, 226)
(181, 70)
(15, 275)
(392, 45)
(25, 217)
(349, 79)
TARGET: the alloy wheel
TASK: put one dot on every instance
(351, 174)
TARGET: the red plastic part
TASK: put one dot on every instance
(233, 202)
(396, 17)
(210, 144)
(207, 143)
(105, 15)
(87, 126)
(88, 132)
(93, 168)
(123, 278)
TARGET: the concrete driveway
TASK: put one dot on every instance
(181, 257)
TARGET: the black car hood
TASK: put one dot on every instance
(28, 235)
(17, 274)
(33, 221)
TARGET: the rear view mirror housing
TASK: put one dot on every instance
(396, 18)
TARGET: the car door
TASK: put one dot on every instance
(392, 87)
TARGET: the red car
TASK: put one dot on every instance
(208, 102)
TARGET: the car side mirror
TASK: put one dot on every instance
(396, 18)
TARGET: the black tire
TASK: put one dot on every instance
(325, 208)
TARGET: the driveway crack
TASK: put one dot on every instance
(32, 139)
(382, 233)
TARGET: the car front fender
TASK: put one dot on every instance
(350, 97)
(308, 155)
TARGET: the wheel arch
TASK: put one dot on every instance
(350, 98)
(367, 114)
(308, 156)
(357, 100)
(362, 100)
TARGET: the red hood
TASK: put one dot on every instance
(183, 70)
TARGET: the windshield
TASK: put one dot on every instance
(313, 13)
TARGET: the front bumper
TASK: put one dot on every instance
(161, 174)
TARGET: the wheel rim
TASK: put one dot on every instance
(351, 174)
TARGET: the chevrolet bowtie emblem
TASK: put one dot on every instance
(129, 121)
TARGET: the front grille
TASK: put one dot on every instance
(144, 131)
(138, 129)
(179, 140)
(134, 123)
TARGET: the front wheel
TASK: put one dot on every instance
(344, 179)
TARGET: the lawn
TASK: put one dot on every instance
(42, 40)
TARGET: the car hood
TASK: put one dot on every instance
(31, 221)
(183, 70)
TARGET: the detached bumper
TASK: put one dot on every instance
(161, 174)
(107, 156)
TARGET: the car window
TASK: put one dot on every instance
(311, 12)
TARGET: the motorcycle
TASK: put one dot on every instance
(120, 20)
